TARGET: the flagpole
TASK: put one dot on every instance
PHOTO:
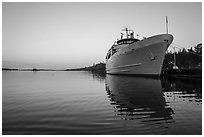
(166, 25)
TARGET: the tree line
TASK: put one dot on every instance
(185, 58)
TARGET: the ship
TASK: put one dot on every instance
(132, 56)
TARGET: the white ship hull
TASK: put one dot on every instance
(144, 57)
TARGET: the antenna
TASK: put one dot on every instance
(166, 25)
(127, 31)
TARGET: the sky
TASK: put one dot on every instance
(70, 35)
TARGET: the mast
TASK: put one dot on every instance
(166, 25)
(174, 66)
(126, 30)
(174, 57)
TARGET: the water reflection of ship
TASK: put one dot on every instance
(139, 99)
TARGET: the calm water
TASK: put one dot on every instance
(83, 103)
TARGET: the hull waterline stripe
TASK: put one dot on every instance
(120, 71)
(138, 64)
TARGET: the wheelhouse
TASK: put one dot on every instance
(123, 41)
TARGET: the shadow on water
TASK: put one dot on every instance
(143, 99)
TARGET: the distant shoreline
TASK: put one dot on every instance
(14, 69)
(98, 68)
(101, 70)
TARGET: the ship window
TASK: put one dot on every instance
(108, 56)
(114, 51)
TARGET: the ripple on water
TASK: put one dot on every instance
(78, 103)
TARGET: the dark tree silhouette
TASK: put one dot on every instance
(185, 59)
